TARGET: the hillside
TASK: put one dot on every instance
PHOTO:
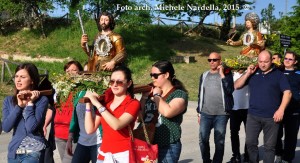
(144, 46)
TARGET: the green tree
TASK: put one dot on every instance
(268, 18)
(225, 8)
(289, 25)
(30, 12)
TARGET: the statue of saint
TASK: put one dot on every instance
(251, 39)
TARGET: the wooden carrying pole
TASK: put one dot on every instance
(43, 93)
(136, 89)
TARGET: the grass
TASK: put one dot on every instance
(144, 46)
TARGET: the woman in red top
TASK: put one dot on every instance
(115, 117)
(63, 116)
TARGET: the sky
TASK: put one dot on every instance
(280, 6)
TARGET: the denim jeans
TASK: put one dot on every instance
(85, 154)
(169, 153)
(207, 123)
(236, 118)
(290, 123)
(270, 130)
(32, 157)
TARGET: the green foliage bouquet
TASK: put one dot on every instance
(240, 62)
(64, 84)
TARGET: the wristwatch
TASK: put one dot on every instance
(101, 109)
(157, 94)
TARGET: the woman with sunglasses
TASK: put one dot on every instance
(24, 113)
(115, 116)
(169, 98)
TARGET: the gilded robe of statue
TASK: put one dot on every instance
(105, 49)
(252, 42)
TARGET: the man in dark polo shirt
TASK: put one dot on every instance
(270, 94)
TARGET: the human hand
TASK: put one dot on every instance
(92, 95)
(84, 40)
(251, 69)
(157, 90)
(221, 71)
(278, 115)
(69, 146)
(34, 95)
(229, 41)
(26, 97)
(22, 98)
(45, 130)
(109, 65)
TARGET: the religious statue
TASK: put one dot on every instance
(251, 39)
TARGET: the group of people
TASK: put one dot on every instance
(74, 122)
(263, 97)
(99, 130)
(96, 131)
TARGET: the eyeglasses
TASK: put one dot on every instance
(288, 59)
(214, 60)
(155, 75)
(118, 82)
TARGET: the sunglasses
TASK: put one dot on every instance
(214, 60)
(118, 82)
(155, 75)
(288, 59)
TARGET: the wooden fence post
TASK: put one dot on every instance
(2, 71)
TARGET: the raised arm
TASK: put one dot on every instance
(115, 123)
(34, 113)
(91, 123)
(174, 107)
(239, 83)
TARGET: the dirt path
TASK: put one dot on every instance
(22, 57)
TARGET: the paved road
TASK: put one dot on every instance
(190, 152)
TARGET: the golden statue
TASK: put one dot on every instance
(108, 50)
(252, 39)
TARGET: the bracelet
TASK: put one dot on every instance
(156, 94)
(88, 110)
(101, 109)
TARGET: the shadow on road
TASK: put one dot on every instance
(186, 161)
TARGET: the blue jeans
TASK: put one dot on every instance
(32, 157)
(270, 129)
(85, 154)
(207, 123)
(169, 153)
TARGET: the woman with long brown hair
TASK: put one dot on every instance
(24, 112)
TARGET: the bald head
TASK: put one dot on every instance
(265, 60)
(215, 55)
(214, 60)
(265, 54)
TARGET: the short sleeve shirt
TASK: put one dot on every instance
(168, 130)
(266, 92)
(115, 141)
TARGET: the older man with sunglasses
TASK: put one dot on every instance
(214, 101)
